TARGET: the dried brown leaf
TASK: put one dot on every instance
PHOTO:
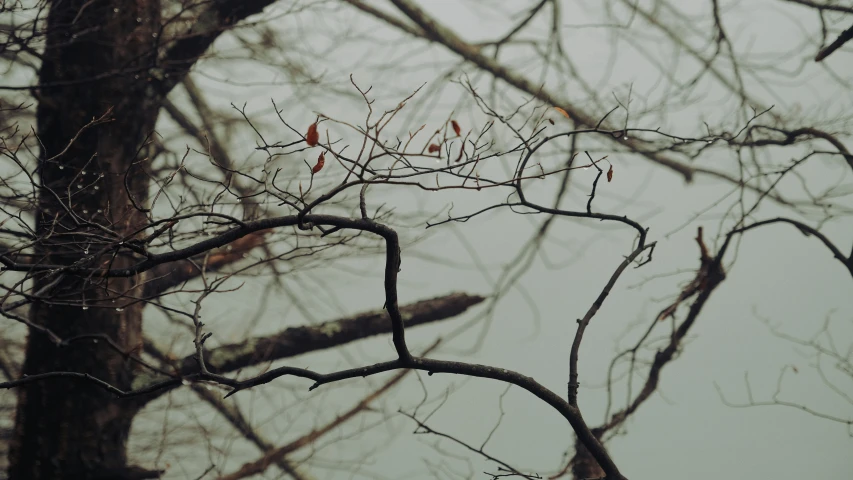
(312, 138)
(321, 160)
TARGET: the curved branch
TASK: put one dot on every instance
(583, 323)
(244, 229)
(806, 230)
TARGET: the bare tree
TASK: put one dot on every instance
(114, 214)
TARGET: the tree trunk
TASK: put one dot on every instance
(97, 59)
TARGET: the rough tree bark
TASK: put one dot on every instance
(95, 62)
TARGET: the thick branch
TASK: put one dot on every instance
(298, 340)
(843, 38)
(571, 413)
(245, 228)
(823, 6)
(215, 17)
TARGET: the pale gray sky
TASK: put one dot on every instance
(685, 431)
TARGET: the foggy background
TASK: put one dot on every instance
(776, 277)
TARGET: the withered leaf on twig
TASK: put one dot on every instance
(312, 138)
(321, 160)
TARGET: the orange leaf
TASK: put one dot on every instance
(321, 160)
(433, 148)
(312, 138)
(610, 174)
(456, 127)
(562, 112)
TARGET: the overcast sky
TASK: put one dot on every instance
(685, 430)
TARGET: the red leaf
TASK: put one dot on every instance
(433, 148)
(312, 138)
(610, 173)
(456, 127)
(321, 160)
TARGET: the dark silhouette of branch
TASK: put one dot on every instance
(277, 454)
(823, 6)
(791, 136)
(842, 38)
(709, 278)
(245, 228)
(213, 18)
(828, 50)
(584, 322)
(299, 340)
(806, 230)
